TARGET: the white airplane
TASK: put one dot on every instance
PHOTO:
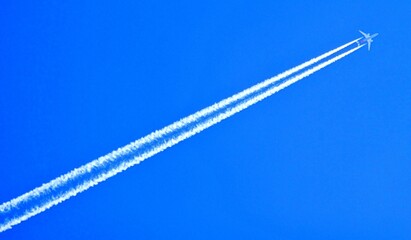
(367, 39)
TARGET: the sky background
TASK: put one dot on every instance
(327, 158)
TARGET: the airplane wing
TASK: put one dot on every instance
(365, 35)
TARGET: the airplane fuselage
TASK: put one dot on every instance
(362, 41)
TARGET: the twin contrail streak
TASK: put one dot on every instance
(170, 128)
(84, 177)
(159, 133)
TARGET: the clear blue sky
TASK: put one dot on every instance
(328, 158)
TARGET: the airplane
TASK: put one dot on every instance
(367, 39)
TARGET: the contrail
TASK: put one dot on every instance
(159, 133)
(137, 158)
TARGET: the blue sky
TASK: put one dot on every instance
(327, 158)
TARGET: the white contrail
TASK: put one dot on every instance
(101, 161)
(169, 143)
